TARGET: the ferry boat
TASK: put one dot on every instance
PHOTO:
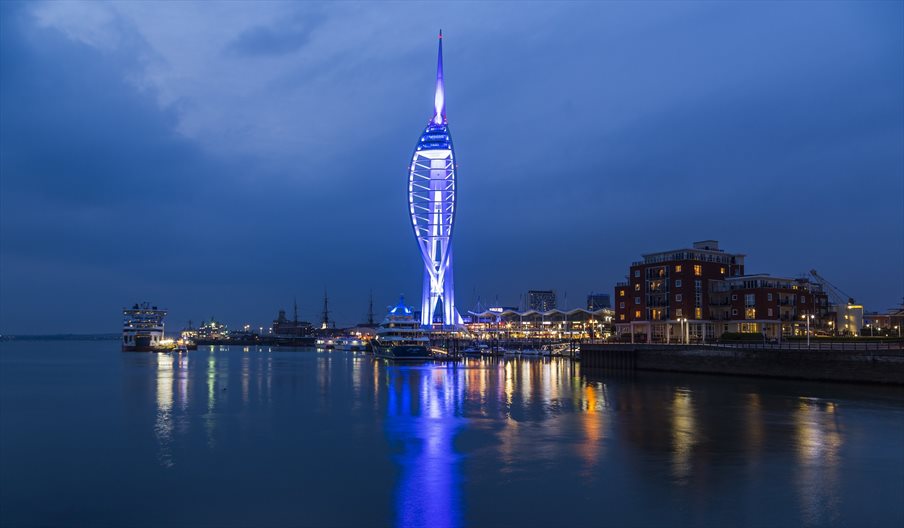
(400, 336)
(142, 329)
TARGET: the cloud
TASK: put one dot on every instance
(284, 38)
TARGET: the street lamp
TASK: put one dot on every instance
(808, 317)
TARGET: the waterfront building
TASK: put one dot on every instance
(285, 327)
(541, 300)
(596, 301)
(431, 204)
(549, 325)
(771, 306)
(213, 330)
(701, 293)
(890, 323)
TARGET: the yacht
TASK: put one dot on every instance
(350, 343)
(400, 336)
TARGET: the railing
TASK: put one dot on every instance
(840, 346)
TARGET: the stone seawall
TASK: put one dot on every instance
(869, 366)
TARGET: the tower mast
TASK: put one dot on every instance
(326, 312)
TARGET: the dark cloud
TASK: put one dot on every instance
(584, 141)
(286, 37)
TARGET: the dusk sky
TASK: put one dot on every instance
(221, 159)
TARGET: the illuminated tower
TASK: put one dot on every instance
(431, 202)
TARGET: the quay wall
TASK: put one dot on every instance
(862, 366)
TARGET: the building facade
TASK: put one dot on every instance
(541, 300)
(701, 293)
(598, 301)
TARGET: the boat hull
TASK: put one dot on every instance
(402, 352)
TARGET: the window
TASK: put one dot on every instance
(678, 268)
(769, 298)
(698, 313)
(677, 312)
(637, 287)
(722, 270)
(621, 317)
(677, 283)
(677, 297)
(803, 299)
(637, 314)
(621, 293)
(637, 300)
(637, 274)
(750, 313)
(698, 270)
(734, 311)
(769, 312)
(734, 297)
(621, 305)
(749, 299)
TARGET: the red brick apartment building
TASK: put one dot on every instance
(701, 292)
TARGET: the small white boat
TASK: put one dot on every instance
(531, 352)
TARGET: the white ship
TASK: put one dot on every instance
(142, 329)
(400, 336)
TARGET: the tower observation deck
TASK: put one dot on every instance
(431, 203)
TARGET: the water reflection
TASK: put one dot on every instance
(818, 443)
(163, 426)
(452, 428)
(423, 415)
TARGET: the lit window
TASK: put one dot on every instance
(637, 287)
(637, 314)
(621, 317)
(678, 268)
(750, 313)
(677, 297)
(621, 293)
(677, 312)
(698, 270)
(698, 313)
(722, 270)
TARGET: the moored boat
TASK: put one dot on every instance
(142, 329)
(400, 336)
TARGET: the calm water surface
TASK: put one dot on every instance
(238, 437)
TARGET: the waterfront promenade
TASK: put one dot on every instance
(877, 362)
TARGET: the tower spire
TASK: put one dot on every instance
(439, 99)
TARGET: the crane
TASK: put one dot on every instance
(838, 295)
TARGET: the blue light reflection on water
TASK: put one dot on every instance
(422, 417)
(296, 437)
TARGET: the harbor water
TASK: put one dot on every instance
(270, 437)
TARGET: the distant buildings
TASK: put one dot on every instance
(701, 293)
(598, 301)
(541, 300)
(212, 331)
(284, 327)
